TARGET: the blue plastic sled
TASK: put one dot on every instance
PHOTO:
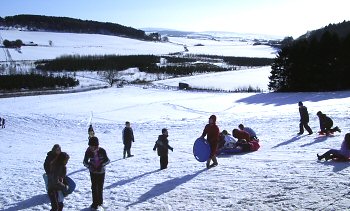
(71, 185)
(201, 150)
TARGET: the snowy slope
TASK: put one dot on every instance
(283, 175)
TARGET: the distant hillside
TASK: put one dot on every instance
(71, 25)
(341, 29)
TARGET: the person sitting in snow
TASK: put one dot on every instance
(56, 181)
(226, 140)
(241, 135)
(342, 154)
(249, 130)
(326, 124)
(162, 146)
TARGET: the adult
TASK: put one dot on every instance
(326, 124)
(249, 130)
(343, 153)
(56, 181)
(95, 160)
(128, 138)
(211, 130)
(304, 119)
(50, 157)
(241, 135)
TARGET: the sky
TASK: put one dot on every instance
(271, 17)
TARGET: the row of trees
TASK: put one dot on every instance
(12, 44)
(35, 81)
(64, 24)
(313, 64)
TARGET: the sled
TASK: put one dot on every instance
(201, 150)
(71, 185)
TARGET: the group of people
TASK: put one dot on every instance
(326, 123)
(2, 122)
(326, 128)
(246, 140)
(95, 158)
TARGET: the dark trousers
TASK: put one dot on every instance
(305, 125)
(127, 147)
(333, 153)
(55, 204)
(97, 181)
(163, 161)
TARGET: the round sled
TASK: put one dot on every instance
(201, 150)
(71, 185)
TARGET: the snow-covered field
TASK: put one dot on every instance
(283, 175)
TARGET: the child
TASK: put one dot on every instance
(128, 138)
(343, 153)
(96, 159)
(212, 132)
(56, 181)
(162, 146)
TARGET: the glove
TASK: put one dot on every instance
(172, 149)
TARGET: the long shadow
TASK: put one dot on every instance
(337, 165)
(293, 97)
(29, 203)
(316, 140)
(165, 187)
(123, 182)
(295, 138)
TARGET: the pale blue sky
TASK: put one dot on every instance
(273, 17)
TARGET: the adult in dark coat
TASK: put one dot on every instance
(212, 132)
(326, 124)
(50, 157)
(128, 138)
(304, 119)
(57, 182)
(95, 160)
(162, 146)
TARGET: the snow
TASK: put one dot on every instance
(283, 174)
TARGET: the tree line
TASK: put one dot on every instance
(175, 65)
(71, 25)
(35, 81)
(315, 63)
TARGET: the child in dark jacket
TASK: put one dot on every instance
(56, 181)
(95, 160)
(128, 138)
(162, 146)
(326, 124)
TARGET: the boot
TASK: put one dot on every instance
(129, 153)
(215, 161)
(320, 157)
(124, 154)
(208, 163)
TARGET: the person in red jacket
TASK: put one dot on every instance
(212, 132)
(240, 134)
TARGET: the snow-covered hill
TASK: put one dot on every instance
(283, 174)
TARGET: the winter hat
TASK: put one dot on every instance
(300, 103)
(56, 146)
(213, 117)
(318, 113)
(164, 130)
(224, 132)
(93, 141)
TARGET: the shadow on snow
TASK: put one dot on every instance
(165, 187)
(287, 98)
(337, 165)
(29, 203)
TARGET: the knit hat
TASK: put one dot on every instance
(318, 113)
(300, 103)
(93, 141)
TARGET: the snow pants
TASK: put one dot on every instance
(97, 181)
(163, 161)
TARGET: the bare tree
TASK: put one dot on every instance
(110, 76)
